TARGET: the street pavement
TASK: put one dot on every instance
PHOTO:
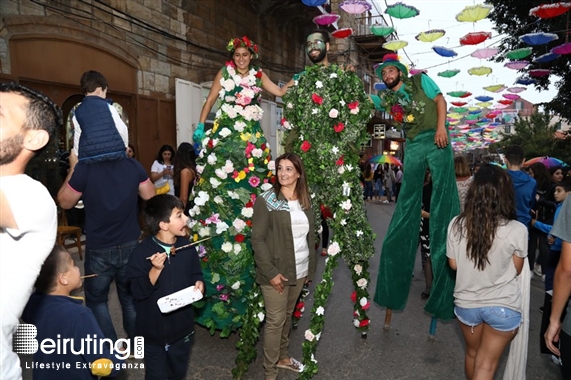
(403, 352)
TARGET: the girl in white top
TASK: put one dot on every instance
(487, 246)
(162, 168)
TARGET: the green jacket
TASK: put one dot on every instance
(272, 239)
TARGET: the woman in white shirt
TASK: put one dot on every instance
(162, 170)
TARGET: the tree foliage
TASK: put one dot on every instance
(511, 17)
(536, 135)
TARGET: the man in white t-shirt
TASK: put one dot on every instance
(28, 216)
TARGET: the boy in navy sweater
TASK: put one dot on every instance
(155, 271)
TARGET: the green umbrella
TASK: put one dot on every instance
(472, 117)
(457, 94)
(459, 109)
(382, 30)
(400, 10)
(448, 73)
(518, 54)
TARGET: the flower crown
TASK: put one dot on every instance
(390, 60)
(237, 42)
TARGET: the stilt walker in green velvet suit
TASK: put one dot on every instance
(417, 105)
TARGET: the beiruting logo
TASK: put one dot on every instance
(25, 342)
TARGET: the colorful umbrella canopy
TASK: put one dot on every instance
(313, 3)
(484, 104)
(539, 72)
(539, 38)
(385, 159)
(448, 73)
(550, 10)
(395, 45)
(466, 94)
(474, 13)
(562, 49)
(548, 162)
(474, 38)
(456, 94)
(518, 53)
(482, 70)
(495, 88)
(417, 71)
(484, 53)
(401, 10)
(444, 52)
(516, 65)
(525, 81)
(355, 7)
(484, 98)
(474, 109)
(342, 33)
(548, 57)
(382, 30)
(516, 90)
(430, 35)
(459, 104)
(505, 101)
(459, 109)
(326, 19)
(500, 106)
(511, 96)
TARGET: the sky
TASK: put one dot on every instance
(441, 14)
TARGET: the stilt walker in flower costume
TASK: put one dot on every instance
(325, 118)
(234, 167)
(417, 105)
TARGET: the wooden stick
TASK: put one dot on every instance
(388, 317)
(89, 275)
(432, 331)
(186, 246)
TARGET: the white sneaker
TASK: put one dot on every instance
(531, 275)
(537, 270)
(556, 360)
(543, 278)
(385, 201)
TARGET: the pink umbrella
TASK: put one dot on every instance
(539, 72)
(516, 90)
(516, 65)
(355, 7)
(417, 71)
(500, 106)
(562, 49)
(484, 53)
(326, 19)
(471, 121)
(511, 96)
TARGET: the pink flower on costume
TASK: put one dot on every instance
(354, 107)
(224, 297)
(254, 181)
(213, 219)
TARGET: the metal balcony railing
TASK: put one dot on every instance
(363, 26)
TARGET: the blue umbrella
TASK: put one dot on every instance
(444, 52)
(538, 38)
(525, 81)
(546, 58)
(475, 112)
(313, 3)
(484, 98)
(380, 86)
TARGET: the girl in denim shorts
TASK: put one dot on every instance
(487, 247)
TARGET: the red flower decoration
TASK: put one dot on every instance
(305, 146)
(317, 99)
(236, 43)
(339, 127)
(300, 305)
(247, 41)
(339, 162)
(255, 48)
(367, 305)
(353, 105)
(364, 322)
(239, 238)
(259, 74)
(354, 296)
(297, 314)
(249, 223)
(250, 204)
(210, 144)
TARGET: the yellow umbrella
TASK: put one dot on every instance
(482, 70)
(454, 115)
(495, 88)
(473, 108)
(395, 45)
(454, 122)
(484, 104)
(474, 13)
(430, 35)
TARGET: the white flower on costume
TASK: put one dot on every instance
(362, 283)
(346, 205)
(313, 358)
(314, 111)
(236, 285)
(333, 75)
(194, 211)
(233, 195)
(333, 249)
(218, 199)
(199, 169)
(335, 150)
(221, 227)
(221, 173)
(289, 105)
(205, 231)
(333, 113)
(343, 222)
(257, 152)
(239, 224)
(358, 269)
(247, 212)
(227, 84)
(215, 182)
(215, 142)
(354, 111)
(342, 102)
(239, 126)
(237, 248)
(349, 167)
(318, 336)
(261, 316)
(320, 310)
(229, 99)
(363, 301)
(286, 125)
(229, 167)
(202, 198)
(212, 159)
(318, 84)
(226, 247)
(272, 165)
(225, 132)
(341, 169)
(359, 233)
(356, 322)
(309, 335)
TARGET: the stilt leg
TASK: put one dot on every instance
(432, 331)
(388, 317)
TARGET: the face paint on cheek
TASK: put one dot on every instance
(315, 48)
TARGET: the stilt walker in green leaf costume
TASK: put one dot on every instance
(325, 117)
(418, 106)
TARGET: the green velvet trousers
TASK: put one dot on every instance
(401, 242)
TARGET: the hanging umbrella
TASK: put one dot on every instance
(484, 104)
(525, 81)
(466, 94)
(448, 73)
(518, 53)
(548, 57)
(495, 88)
(548, 162)
(516, 65)
(417, 71)
(516, 90)
(474, 38)
(355, 7)
(444, 52)
(474, 13)
(511, 96)
(382, 30)
(313, 3)
(471, 121)
(472, 117)
(505, 101)
(491, 115)
(539, 72)
(550, 10)
(459, 104)
(482, 70)
(484, 53)
(342, 33)
(562, 49)
(484, 98)
(459, 109)
(385, 159)
(474, 109)
(539, 38)
(380, 86)
(500, 106)
(401, 10)
(456, 94)
(430, 35)
(326, 19)
(395, 45)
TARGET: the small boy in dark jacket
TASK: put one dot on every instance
(155, 271)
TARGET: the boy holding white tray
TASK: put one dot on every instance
(156, 271)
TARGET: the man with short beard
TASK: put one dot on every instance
(28, 218)
(417, 106)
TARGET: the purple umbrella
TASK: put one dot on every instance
(484, 53)
(511, 96)
(355, 6)
(562, 49)
(540, 38)
(516, 90)
(444, 52)
(539, 72)
(326, 19)
(516, 65)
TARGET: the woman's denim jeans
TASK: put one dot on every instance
(109, 264)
